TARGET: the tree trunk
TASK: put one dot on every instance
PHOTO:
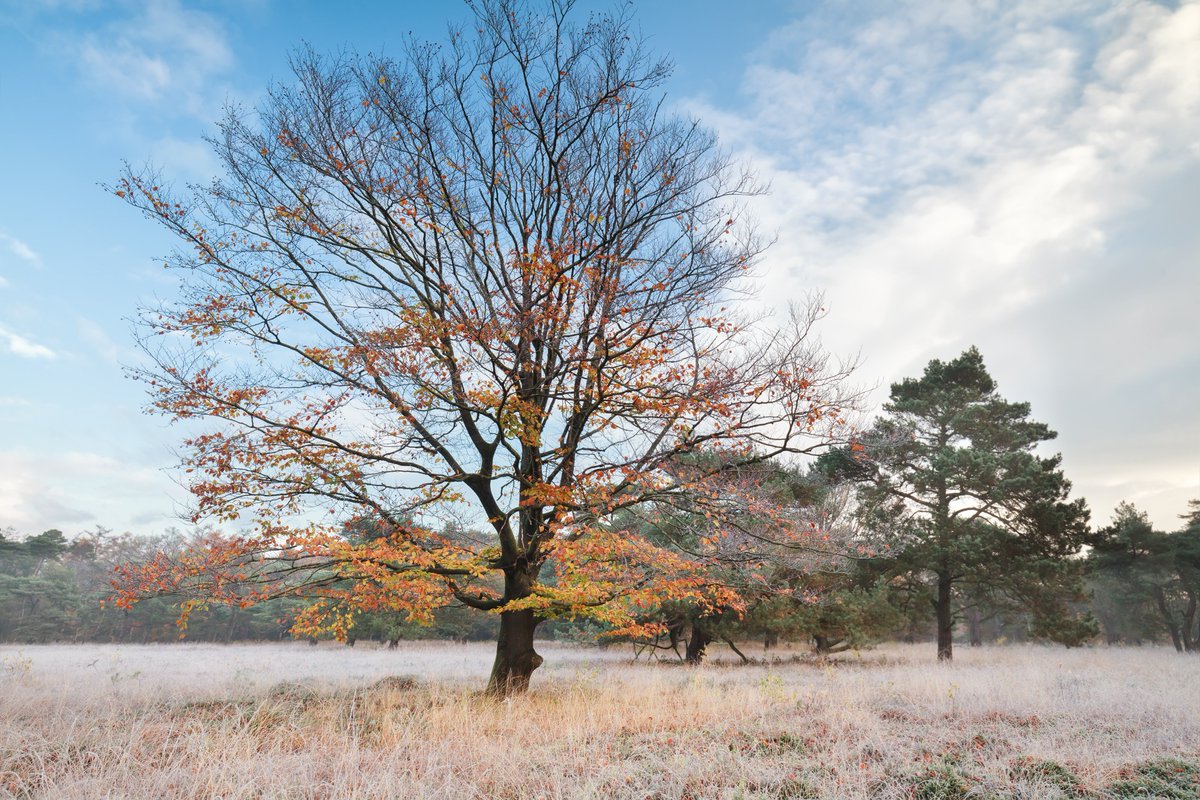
(1160, 598)
(1108, 623)
(1196, 635)
(515, 657)
(697, 643)
(771, 639)
(676, 626)
(974, 630)
(945, 619)
(1190, 644)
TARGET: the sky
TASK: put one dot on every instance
(1021, 176)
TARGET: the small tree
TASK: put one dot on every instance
(782, 543)
(952, 486)
(488, 278)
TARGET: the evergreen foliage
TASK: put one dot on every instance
(952, 486)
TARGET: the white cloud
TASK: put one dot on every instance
(163, 52)
(957, 173)
(122, 66)
(62, 490)
(24, 348)
(19, 249)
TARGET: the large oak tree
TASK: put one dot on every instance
(487, 279)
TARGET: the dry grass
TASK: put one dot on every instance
(293, 721)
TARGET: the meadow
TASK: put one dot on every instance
(295, 721)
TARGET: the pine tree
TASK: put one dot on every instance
(952, 485)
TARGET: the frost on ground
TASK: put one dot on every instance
(294, 721)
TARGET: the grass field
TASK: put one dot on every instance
(293, 721)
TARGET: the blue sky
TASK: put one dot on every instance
(1024, 176)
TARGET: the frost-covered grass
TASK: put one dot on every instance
(290, 720)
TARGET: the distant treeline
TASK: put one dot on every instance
(1142, 585)
(53, 589)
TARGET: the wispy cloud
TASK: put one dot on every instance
(1000, 174)
(19, 248)
(161, 52)
(98, 340)
(24, 348)
(963, 140)
(124, 66)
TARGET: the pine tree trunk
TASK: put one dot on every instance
(1160, 598)
(1112, 635)
(945, 619)
(1196, 634)
(974, 628)
(1189, 618)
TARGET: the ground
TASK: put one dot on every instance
(294, 721)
